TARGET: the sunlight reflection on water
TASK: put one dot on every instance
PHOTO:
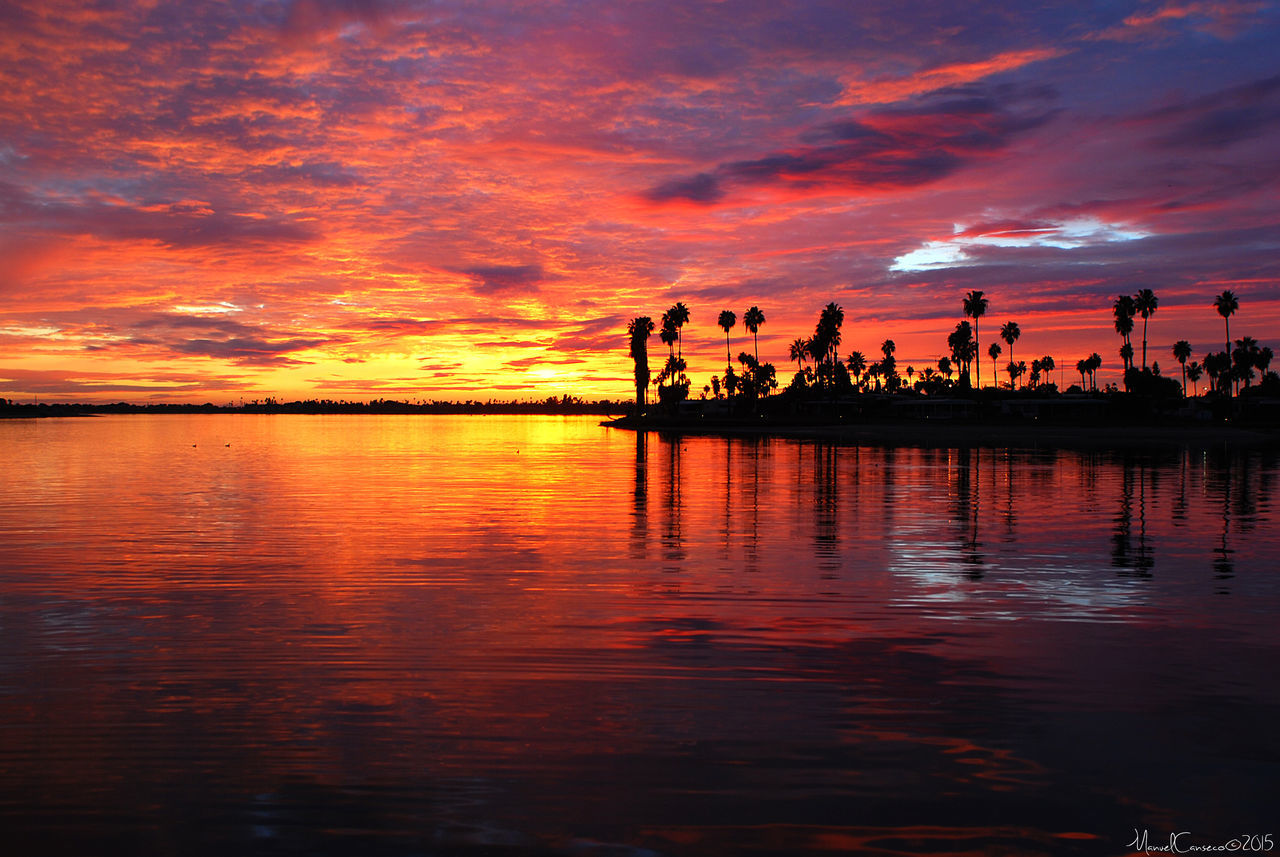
(454, 634)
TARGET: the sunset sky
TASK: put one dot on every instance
(352, 200)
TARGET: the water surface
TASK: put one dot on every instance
(533, 635)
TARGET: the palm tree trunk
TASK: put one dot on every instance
(1144, 343)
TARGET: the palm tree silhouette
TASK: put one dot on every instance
(857, 363)
(1010, 333)
(975, 306)
(1146, 302)
(1226, 304)
(1124, 310)
(679, 315)
(1182, 353)
(752, 319)
(1194, 372)
(1082, 366)
(1047, 366)
(799, 351)
(727, 320)
(964, 347)
(640, 328)
(1095, 363)
(668, 333)
(994, 350)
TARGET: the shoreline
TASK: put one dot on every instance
(953, 434)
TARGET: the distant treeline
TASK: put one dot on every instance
(556, 405)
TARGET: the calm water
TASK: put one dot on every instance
(243, 634)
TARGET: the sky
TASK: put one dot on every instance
(332, 199)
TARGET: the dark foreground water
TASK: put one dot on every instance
(486, 635)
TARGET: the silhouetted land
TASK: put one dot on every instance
(564, 405)
(988, 417)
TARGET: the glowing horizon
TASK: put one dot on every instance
(329, 199)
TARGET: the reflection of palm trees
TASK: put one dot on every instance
(1132, 502)
(640, 501)
(672, 538)
(964, 508)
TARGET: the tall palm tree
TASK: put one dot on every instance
(727, 320)
(1146, 302)
(975, 306)
(752, 319)
(640, 328)
(994, 350)
(1095, 363)
(1194, 372)
(1182, 353)
(799, 351)
(668, 333)
(1226, 304)
(1082, 366)
(1124, 309)
(679, 315)
(1010, 333)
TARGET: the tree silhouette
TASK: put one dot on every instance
(1182, 353)
(1047, 365)
(668, 333)
(975, 306)
(1010, 333)
(752, 319)
(1124, 309)
(857, 363)
(964, 347)
(799, 351)
(826, 341)
(994, 350)
(945, 367)
(1094, 364)
(640, 328)
(679, 315)
(1194, 371)
(1082, 366)
(1226, 304)
(1146, 302)
(727, 320)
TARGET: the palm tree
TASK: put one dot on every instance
(1245, 358)
(1194, 372)
(1010, 333)
(857, 363)
(1146, 302)
(1182, 353)
(1226, 304)
(1126, 360)
(679, 315)
(1047, 365)
(799, 351)
(752, 319)
(1124, 309)
(944, 366)
(1082, 366)
(727, 320)
(668, 333)
(640, 328)
(964, 347)
(994, 350)
(1036, 368)
(975, 306)
(1095, 363)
